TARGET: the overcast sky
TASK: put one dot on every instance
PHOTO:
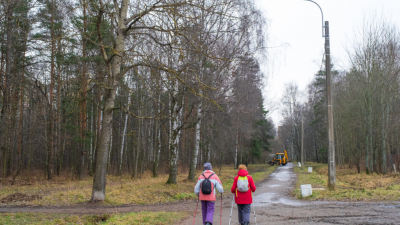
(297, 26)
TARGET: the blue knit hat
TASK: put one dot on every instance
(207, 166)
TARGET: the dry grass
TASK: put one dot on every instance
(120, 190)
(350, 185)
(145, 218)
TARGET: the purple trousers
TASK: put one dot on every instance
(207, 208)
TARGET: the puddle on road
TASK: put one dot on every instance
(280, 179)
(274, 185)
(273, 198)
(283, 174)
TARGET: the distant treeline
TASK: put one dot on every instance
(366, 105)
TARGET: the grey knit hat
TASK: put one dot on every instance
(207, 166)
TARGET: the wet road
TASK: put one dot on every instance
(273, 204)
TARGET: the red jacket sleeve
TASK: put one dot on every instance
(251, 183)
(234, 185)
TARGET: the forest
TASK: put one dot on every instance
(365, 105)
(97, 87)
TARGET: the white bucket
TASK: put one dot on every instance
(310, 169)
(306, 190)
(299, 164)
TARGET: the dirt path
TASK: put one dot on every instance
(273, 205)
(87, 208)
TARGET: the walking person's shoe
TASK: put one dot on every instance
(208, 223)
(246, 223)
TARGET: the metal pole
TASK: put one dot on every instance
(220, 215)
(302, 144)
(194, 217)
(230, 217)
(254, 210)
(331, 138)
(322, 14)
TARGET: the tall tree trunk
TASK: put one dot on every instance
(99, 180)
(59, 116)
(142, 141)
(158, 138)
(157, 147)
(84, 94)
(385, 125)
(195, 152)
(7, 75)
(83, 100)
(50, 117)
(236, 149)
(92, 140)
(138, 141)
(371, 148)
(98, 131)
(123, 135)
(173, 136)
(21, 112)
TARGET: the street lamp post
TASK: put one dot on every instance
(331, 138)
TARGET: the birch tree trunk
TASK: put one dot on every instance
(173, 137)
(123, 135)
(195, 152)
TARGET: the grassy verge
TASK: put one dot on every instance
(64, 219)
(120, 190)
(350, 186)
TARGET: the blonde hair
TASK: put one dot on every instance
(242, 167)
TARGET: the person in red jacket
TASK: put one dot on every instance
(242, 187)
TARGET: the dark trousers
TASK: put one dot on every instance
(244, 212)
(207, 209)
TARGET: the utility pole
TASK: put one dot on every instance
(302, 144)
(331, 137)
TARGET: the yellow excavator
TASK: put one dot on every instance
(280, 159)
